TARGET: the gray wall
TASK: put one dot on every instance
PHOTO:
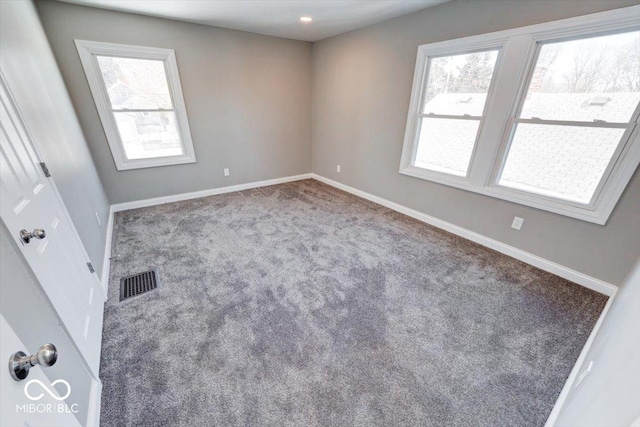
(250, 109)
(361, 89)
(31, 73)
(248, 99)
(28, 311)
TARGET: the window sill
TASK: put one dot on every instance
(589, 214)
(154, 162)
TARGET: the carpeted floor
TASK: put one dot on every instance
(302, 305)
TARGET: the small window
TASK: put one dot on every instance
(139, 100)
(454, 100)
(545, 115)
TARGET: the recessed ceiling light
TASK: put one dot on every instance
(306, 18)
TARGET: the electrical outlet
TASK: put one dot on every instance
(226, 171)
(517, 223)
(98, 218)
(338, 168)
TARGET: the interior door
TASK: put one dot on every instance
(29, 203)
(46, 406)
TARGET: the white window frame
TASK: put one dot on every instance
(427, 55)
(88, 50)
(515, 64)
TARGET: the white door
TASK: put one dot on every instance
(33, 401)
(28, 202)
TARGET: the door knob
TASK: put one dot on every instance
(37, 233)
(20, 363)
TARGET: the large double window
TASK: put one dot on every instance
(544, 116)
(139, 99)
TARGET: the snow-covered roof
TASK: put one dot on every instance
(561, 161)
(610, 107)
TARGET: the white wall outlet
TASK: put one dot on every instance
(517, 223)
(98, 218)
(583, 374)
(338, 168)
(226, 171)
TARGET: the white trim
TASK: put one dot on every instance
(51, 179)
(95, 400)
(529, 199)
(566, 389)
(529, 258)
(106, 262)
(118, 207)
(544, 264)
(87, 50)
(74, 230)
(512, 74)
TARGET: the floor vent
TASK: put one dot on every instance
(138, 284)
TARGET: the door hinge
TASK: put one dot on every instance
(91, 269)
(45, 169)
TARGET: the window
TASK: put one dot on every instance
(545, 116)
(139, 100)
(580, 102)
(454, 101)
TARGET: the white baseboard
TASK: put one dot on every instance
(204, 193)
(577, 368)
(95, 400)
(118, 207)
(529, 258)
(544, 264)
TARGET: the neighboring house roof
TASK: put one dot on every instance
(125, 96)
(560, 161)
(120, 93)
(610, 107)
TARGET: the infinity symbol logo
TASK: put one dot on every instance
(52, 392)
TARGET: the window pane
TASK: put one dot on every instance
(149, 134)
(135, 83)
(565, 162)
(459, 84)
(446, 145)
(584, 80)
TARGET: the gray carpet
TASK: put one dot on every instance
(302, 305)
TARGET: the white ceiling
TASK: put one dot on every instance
(273, 17)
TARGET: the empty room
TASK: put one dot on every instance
(320, 213)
